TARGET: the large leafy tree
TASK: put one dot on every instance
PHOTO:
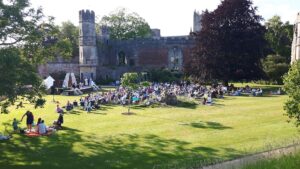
(124, 25)
(70, 32)
(230, 43)
(291, 87)
(18, 78)
(279, 36)
(27, 39)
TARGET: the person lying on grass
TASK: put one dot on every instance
(2, 137)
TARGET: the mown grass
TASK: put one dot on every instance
(157, 137)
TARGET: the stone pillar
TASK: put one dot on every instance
(197, 22)
(295, 51)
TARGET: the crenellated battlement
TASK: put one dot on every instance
(87, 16)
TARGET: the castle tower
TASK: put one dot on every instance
(88, 57)
(295, 55)
(104, 33)
(197, 22)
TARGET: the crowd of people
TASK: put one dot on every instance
(157, 92)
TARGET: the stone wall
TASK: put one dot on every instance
(153, 57)
(46, 69)
(141, 54)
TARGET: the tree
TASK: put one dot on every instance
(279, 36)
(27, 39)
(291, 87)
(275, 67)
(230, 44)
(123, 25)
(130, 81)
(70, 32)
(31, 31)
(18, 78)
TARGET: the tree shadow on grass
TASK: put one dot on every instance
(71, 149)
(97, 112)
(186, 104)
(138, 107)
(74, 112)
(208, 125)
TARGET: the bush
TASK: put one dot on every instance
(291, 87)
(275, 67)
(163, 75)
(107, 81)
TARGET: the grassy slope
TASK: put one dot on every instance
(153, 137)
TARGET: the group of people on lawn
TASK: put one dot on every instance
(39, 127)
(156, 92)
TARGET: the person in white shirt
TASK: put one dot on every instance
(42, 128)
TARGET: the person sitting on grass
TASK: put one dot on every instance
(96, 106)
(88, 107)
(37, 124)
(58, 124)
(75, 103)
(59, 110)
(259, 92)
(29, 119)
(43, 130)
(69, 106)
(209, 100)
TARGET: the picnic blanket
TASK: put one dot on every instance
(33, 134)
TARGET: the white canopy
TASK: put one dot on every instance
(73, 79)
(48, 82)
(67, 78)
(66, 81)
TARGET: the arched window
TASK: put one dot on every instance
(175, 58)
(122, 58)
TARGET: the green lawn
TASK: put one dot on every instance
(153, 137)
(285, 162)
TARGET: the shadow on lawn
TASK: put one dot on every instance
(186, 104)
(75, 112)
(208, 125)
(70, 149)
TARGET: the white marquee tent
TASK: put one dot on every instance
(48, 82)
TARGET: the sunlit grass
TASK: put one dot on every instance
(234, 126)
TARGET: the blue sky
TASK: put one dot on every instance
(173, 17)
